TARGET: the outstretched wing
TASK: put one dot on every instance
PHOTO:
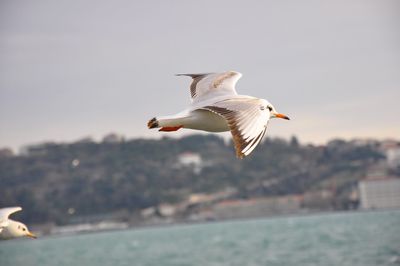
(212, 84)
(5, 212)
(247, 119)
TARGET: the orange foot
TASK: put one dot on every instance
(169, 129)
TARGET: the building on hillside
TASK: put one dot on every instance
(191, 159)
(167, 210)
(207, 199)
(379, 193)
(391, 149)
(257, 207)
(393, 157)
(319, 200)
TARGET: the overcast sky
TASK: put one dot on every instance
(70, 69)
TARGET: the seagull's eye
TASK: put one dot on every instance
(269, 108)
(23, 229)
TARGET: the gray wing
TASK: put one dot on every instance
(209, 85)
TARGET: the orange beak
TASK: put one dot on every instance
(282, 116)
(31, 235)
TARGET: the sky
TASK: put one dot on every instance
(72, 69)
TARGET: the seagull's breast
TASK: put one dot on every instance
(207, 121)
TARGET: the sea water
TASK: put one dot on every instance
(357, 238)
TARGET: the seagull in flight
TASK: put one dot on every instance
(10, 228)
(217, 107)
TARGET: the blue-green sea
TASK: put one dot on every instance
(358, 238)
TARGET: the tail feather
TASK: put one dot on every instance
(153, 123)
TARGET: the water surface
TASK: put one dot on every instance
(364, 239)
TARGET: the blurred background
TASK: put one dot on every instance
(80, 79)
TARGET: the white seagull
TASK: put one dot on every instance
(216, 107)
(10, 228)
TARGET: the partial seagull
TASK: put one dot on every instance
(10, 228)
(216, 107)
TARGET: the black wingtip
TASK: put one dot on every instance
(194, 75)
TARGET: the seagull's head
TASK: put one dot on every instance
(274, 114)
(19, 229)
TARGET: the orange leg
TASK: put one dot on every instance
(169, 129)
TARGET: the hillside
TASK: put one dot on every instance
(93, 178)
